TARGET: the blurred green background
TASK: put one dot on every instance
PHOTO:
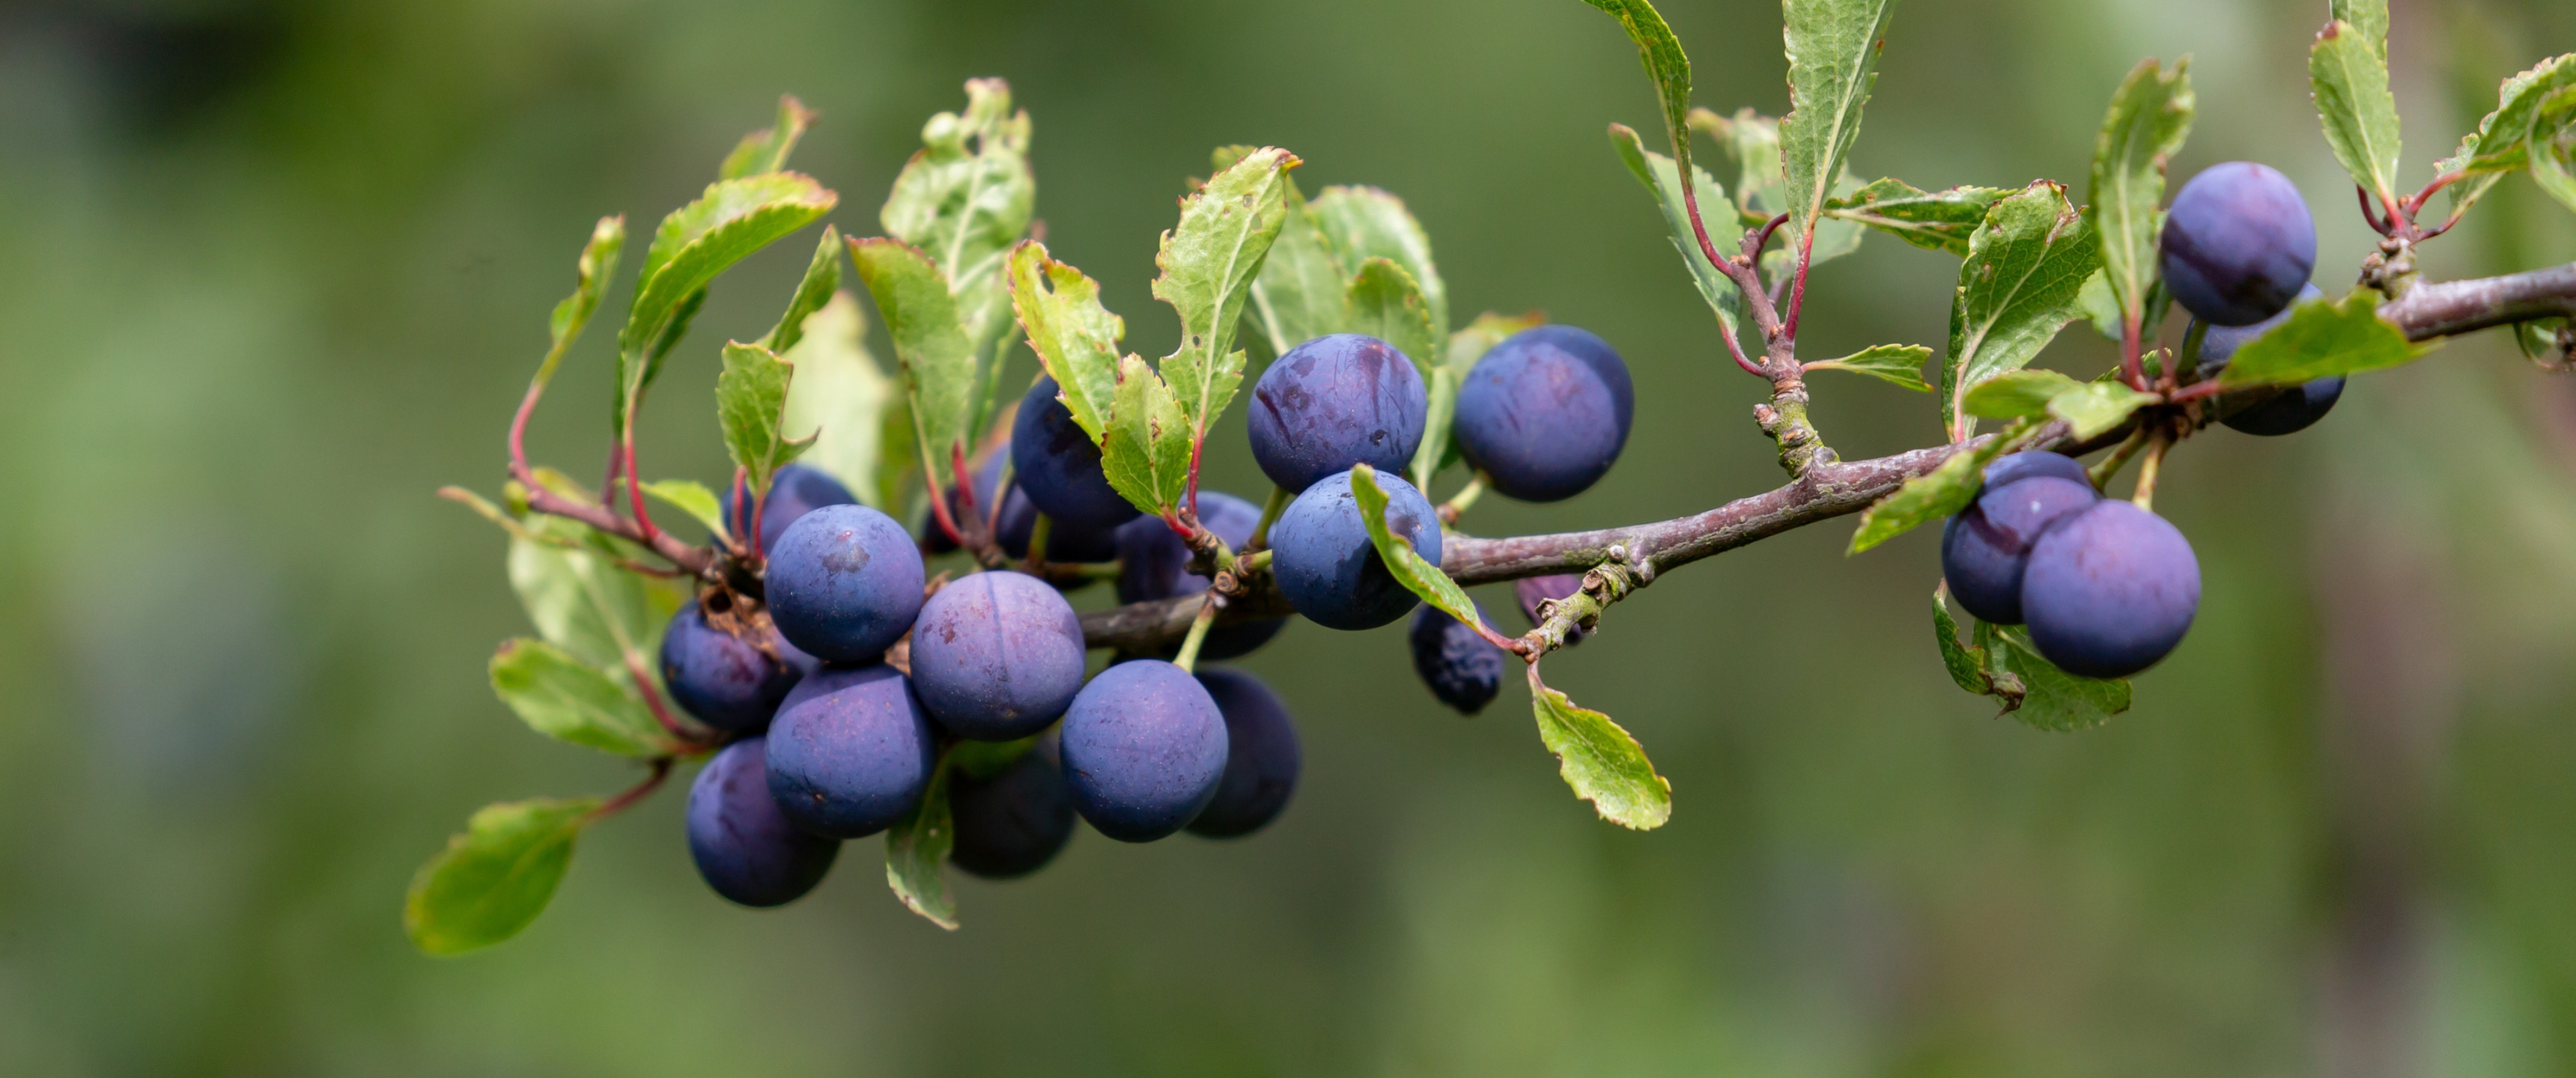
(271, 271)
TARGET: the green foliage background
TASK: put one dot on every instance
(257, 307)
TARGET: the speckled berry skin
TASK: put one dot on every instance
(997, 656)
(1325, 564)
(844, 583)
(1545, 413)
(2292, 410)
(1332, 403)
(851, 751)
(1144, 750)
(2110, 591)
(2238, 244)
(1262, 756)
(796, 490)
(721, 679)
(744, 847)
(1463, 669)
(1154, 563)
(1013, 823)
(1059, 465)
(1986, 547)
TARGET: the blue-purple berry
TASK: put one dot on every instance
(844, 583)
(1332, 403)
(1144, 750)
(1545, 413)
(1326, 566)
(1262, 756)
(744, 847)
(997, 656)
(2110, 590)
(2238, 244)
(851, 751)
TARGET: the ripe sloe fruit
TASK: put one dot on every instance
(850, 751)
(997, 656)
(2238, 244)
(1334, 402)
(744, 846)
(2288, 412)
(1012, 823)
(1261, 759)
(1533, 590)
(1144, 750)
(1154, 563)
(724, 680)
(796, 490)
(1986, 547)
(2110, 590)
(1325, 564)
(1462, 668)
(844, 583)
(1059, 465)
(1545, 413)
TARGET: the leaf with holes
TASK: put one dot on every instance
(1209, 261)
(965, 198)
(1147, 453)
(1074, 336)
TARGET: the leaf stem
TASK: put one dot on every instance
(627, 798)
(1458, 503)
(2149, 469)
(2132, 366)
(690, 739)
(1270, 510)
(1189, 656)
(2102, 471)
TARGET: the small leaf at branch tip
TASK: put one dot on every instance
(692, 497)
(493, 880)
(1898, 364)
(2322, 338)
(1600, 761)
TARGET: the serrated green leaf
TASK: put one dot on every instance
(569, 700)
(2096, 408)
(1209, 262)
(1751, 142)
(939, 373)
(2502, 142)
(582, 601)
(596, 267)
(495, 878)
(1833, 62)
(1076, 339)
(2149, 117)
(1600, 761)
(842, 401)
(1965, 662)
(1384, 302)
(2017, 394)
(1666, 65)
(1932, 220)
(917, 854)
(2319, 339)
(2553, 147)
(695, 243)
(2349, 78)
(1403, 562)
(2368, 16)
(1363, 223)
(691, 497)
(751, 399)
(766, 151)
(1901, 364)
(1662, 179)
(2018, 286)
(822, 281)
(1147, 453)
(966, 198)
(1299, 294)
(1932, 495)
(2053, 699)
(2090, 408)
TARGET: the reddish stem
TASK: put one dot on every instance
(2195, 391)
(635, 489)
(638, 792)
(2131, 364)
(519, 431)
(939, 503)
(2370, 217)
(689, 739)
(2415, 202)
(1798, 286)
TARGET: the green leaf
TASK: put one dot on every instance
(2017, 394)
(1666, 64)
(2368, 16)
(762, 152)
(2502, 142)
(1835, 237)
(1363, 223)
(2018, 286)
(2348, 73)
(2052, 699)
(695, 243)
(1901, 364)
(842, 401)
(751, 399)
(966, 198)
(822, 281)
(2096, 408)
(495, 878)
(917, 853)
(1600, 761)
(1663, 180)
(1147, 453)
(597, 266)
(2102, 308)
(566, 699)
(1209, 261)
(1967, 663)
(1385, 303)
(1833, 61)
(1299, 294)
(582, 601)
(1406, 564)
(1074, 336)
(691, 497)
(2091, 408)
(2553, 147)
(2322, 338)
(939, 373)
(1932, 220)
(1752, 143)
(1932, 495)
(2150, 115)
